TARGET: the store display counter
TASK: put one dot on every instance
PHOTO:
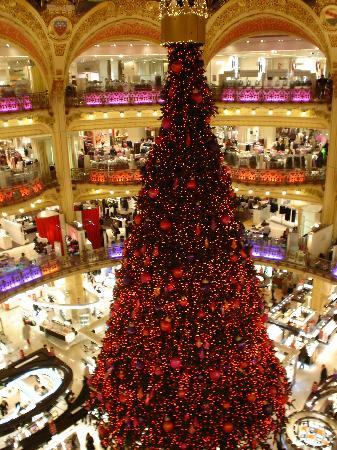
(291, 313)
(58, 330)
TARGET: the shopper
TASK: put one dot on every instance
(74, 442)
(314, 387)
(52, 352)
(265, 229)
(324, 375)
(26, 332)
(3, 407)
(24, 260)
(69, 397)
(90, 445)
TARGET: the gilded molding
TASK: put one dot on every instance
(59, 49)
(127, 19)
(21, 14)
(293, 16)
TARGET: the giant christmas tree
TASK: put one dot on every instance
(186, 362)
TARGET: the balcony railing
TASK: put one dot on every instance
(264, 251)
(113, 176)
(225, 95)
(266, 95)
(113, 98)
(25, 102)
(277, 176)
(240, 175)
(15, 278)
(24, 191)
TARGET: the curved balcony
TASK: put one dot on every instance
(265, 95)
(113, 98)
(269, 252)
(248, 94)
(25, 187)
(15, 279)
(277, 176)
(240, 175)
(25, 102)
(103, 176)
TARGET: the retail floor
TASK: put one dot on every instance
(12, 327)
(276, 229)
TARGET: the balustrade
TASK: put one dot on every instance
(25, 102)
(111, 98)
(240, 175)
(266, 95)
(276, 176)
(263, 251)
(21, 192)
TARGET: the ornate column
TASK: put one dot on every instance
(76, 293)
(320, 293)
(40, 153)
(329, 211)
(60, 141)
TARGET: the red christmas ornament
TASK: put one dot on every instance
(168, 426)
(215, 375)
(155, 251)
(166, 123)
(165, 325)
(176, 66)
(158, 371)
(191, 184)
(137, 219)
(178, 272)
(170, 286)
(123, 398)
(181, 393)
(197, 230)
(165, 225)
(183, 301)
(225, 220)
(176, 363)
(153, 192)
(188, 140)
(251, 397)
(228, 427)
(145, 278)
(196, 97)
(208, 120)
(226, 405)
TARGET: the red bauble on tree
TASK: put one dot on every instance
(186, 362)
(196, 97)
(176, 66)
(165, 225)
(153, 192)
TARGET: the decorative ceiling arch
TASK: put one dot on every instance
(21, 25)
(234, 21)
(117, 21)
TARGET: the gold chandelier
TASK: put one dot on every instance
(183, 21)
